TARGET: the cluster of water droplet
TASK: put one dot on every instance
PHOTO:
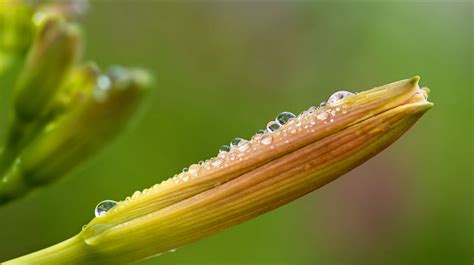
(286, 123)
(238, 147)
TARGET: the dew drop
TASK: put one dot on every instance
(273, 126)
(185, 169)
(267, 140)
(224, 148)
(339, 96)
(312, 109)
(104, 206)
(235, 142)
(194, 169)
(217, 162)
(322, 116)
(185, 178)
(243, 145)
(284, 117)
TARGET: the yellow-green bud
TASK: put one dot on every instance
(54, 51)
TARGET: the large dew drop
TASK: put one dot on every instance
(235, 142)
(283, 117)
(104, 206)
(338, 96)
(273, 126)
(224, 148)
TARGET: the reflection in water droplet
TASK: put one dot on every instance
(235, 141)
(224, 148)
(283, 117)
(273, 126)
(268, 139)
(339, 96)
(104, 206)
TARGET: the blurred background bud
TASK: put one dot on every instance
(54, 51)
(91, 120)
(16, 31)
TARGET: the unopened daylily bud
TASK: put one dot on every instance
(295, 156)
(53, 53)
(94, 119)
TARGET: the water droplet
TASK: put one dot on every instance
(216, 162)
(185, 169)
(283, 117)
(200, 162)
(243, 145)
(224, 148)
(339, 96)
(273, 126)
(268, 139)
(322, 104)
(194, 169)
(260, 131)
(312, 109)
(322, 116)
(104, 206)
(235, 142)
(185, 178)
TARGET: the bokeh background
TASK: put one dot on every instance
(224, 69)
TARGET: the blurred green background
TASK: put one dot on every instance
(224, 69)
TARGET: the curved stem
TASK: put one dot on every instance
(71, 251)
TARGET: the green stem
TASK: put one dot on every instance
(71, 251)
